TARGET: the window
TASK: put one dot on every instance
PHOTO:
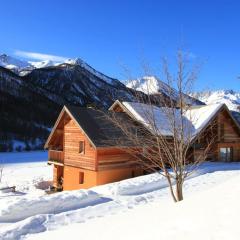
(81, 147)
(81, 177)
(226, 154)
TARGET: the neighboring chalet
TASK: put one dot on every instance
(82, 145)
(226, 148)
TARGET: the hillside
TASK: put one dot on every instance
(29, 104)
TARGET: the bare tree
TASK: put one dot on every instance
(164, 134)
(1, 173)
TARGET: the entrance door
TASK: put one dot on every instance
(57, 176)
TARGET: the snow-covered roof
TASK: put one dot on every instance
(157, 119)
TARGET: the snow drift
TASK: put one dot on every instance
(28, 206)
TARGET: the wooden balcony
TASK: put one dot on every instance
(56, 157)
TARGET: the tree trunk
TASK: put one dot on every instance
(171, 189)
(179, 191)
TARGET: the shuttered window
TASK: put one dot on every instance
(81, 147)
(81, 177)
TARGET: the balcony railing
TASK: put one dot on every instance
(55, 156)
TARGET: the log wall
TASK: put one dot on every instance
(229, 133)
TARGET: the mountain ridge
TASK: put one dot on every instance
(30, 103)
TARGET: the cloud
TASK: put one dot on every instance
(39, 56)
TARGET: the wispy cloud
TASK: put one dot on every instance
(192, 55)
(39, 56)
(189, 55)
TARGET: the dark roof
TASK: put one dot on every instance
(99, 126)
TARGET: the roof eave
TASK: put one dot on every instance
(65, 109)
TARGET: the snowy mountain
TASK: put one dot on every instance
(229, 97)
(151, 85)
(22, 67)
(30, 103)
(12, 63)
(33, 93)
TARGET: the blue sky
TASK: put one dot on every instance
(110, 34)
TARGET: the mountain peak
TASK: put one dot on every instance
(76, 61)
(230, 97)
(12, 63)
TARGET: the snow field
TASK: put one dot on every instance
(135, 206)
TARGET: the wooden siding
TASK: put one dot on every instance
(114, 158)
(72, 137)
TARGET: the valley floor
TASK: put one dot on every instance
(138, 208)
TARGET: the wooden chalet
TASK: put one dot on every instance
(82, 145)
(81, 148)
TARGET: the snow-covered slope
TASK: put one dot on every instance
(229, 97)
(151, 85)
(138, 208)
(212, 214)
(22, 67)
(12, 63)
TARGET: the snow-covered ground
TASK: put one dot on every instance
(212, 214)
(28, 171)
(138, 208)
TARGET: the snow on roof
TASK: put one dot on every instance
(157, 119)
